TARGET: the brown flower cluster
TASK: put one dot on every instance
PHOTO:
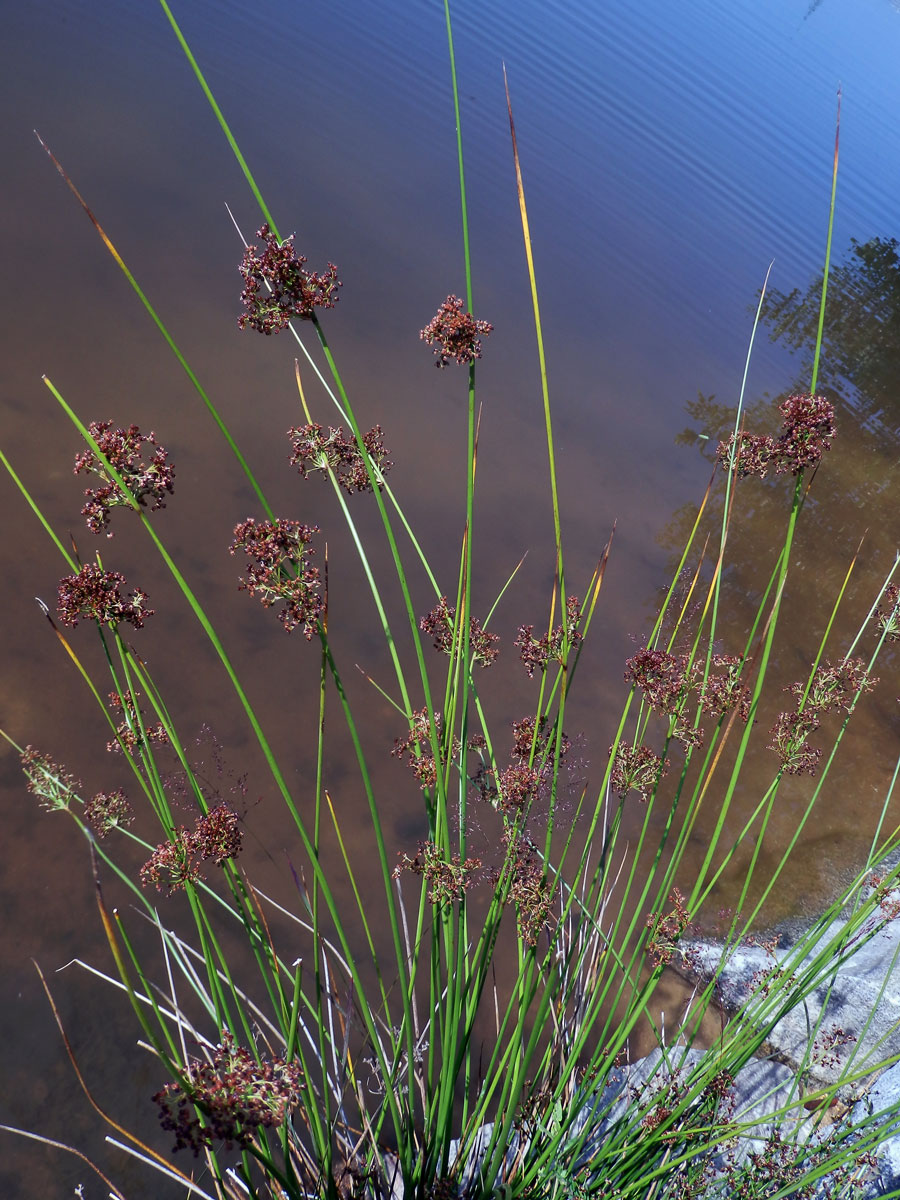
(536, 653)
(128, 731)
(315, 450)
(416, 747)
(667, 930)
(788, 739)
(216, 836)
(533, 742)
(447, 880)
(827, 1047)
(46, 779)
(124, 449)
(280, 570)
(771, 979)
(277, 286)
(668, 680)
(721, 693)
(454, 333)
(886, 895)
(529, 889)
(237, 1096)
(887, 614)
(514, 789)
(664, 679)
(806, 434)
(666, 1101)
(835, 687)
(107, 811)
(518, 785)
(636, 768)
(439, 625)
(777, 1169)
(94, 594)
(832, 688)
(754, 453)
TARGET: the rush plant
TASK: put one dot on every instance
(355, 1070)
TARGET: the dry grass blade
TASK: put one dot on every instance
(192, 1188)
(38, 1137)
(81, 200)
(136, 1141)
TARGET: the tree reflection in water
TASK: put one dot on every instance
(851, 495)
(860, 373)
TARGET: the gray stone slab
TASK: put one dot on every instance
(860, 996)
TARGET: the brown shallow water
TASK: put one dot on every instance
(667, 159)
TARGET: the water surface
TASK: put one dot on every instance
(671, 152)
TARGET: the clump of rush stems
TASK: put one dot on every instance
(440, 1000)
